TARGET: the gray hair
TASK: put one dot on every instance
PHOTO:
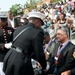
(66, 30)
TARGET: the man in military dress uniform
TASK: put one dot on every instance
(18, 60)
(6, 36)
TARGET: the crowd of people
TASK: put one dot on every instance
(59, 15)
(42, 35)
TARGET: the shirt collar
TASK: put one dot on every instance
(65, 43)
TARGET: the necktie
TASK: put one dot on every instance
(56, 60)
(61, 46)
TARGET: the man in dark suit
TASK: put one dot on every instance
(13, 22)
(62, 58)
(70, 72)
(18, 59)
(49, 44)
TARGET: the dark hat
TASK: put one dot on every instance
(3, 18)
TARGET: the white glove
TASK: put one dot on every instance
(48, 66)
(8, 45)
(1, 68)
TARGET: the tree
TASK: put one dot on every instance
(31, 4)
(17, 9)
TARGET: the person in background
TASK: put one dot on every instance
(6, 37)
(52, 31)
(73, 26)
(30, 41)
(13, 21)
(49, 44)
(24, 20)
(62, 22)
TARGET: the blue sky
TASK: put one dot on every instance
(6, 4)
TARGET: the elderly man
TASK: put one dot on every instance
(18, 59)
(62, 57)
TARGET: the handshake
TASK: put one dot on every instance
(8, 45)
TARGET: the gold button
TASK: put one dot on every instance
(5, 39)
(4, 31)
(4, 36)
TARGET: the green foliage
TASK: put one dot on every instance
(17, 9)
(57, 0)
(31, 5)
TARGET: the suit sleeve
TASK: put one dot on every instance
(73, 71)
(69, 63)
(38, 48)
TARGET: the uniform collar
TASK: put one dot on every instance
(31, 24)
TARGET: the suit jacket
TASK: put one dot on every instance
(30, 41)
(73, 71)
(66, 60)
(51, 46)
(17, 23)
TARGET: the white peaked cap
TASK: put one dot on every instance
(37, 15)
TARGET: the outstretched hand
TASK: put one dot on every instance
(68, 72)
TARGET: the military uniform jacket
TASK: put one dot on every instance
(73, 71)
(31, 41)
(6, 36)
(66, 60)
